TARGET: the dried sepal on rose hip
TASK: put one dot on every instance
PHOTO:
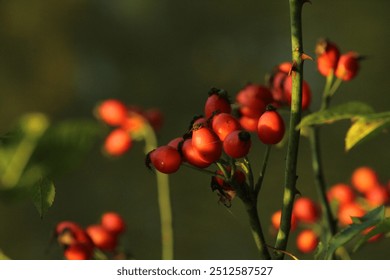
(217, 102)
(165, 159)
(237, 144)
(328, 55)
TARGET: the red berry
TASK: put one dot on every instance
(306, 92)
(270, 127)
(364, 178)
(239, 177)
(248, 123)
(346, 211)
(165, 159)
(70, 233)
(253, 100)
(237, 144)
(117, 142)
(327, 57)
(101, 237)
(223, 124)
(342, 193)
(307, 241)
(348, 66)
(175, 142)
(207, 143)
(276, 218)
(306, 210)
(374, 238)
(192, 156)
(217, 102)
(112, 111)
(377, 196)
(77, 252)
(113, 222)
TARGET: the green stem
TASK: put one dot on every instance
(259, 182)
(320, 180)
(257, 231)
(164, 201)
(295, 118)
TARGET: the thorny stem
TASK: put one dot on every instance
(294, 134)
(164, 201)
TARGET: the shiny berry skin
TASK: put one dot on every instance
(192, 156)
(307, 241)
(346, 211)
(112, 112)
(306, 92)
(207, 143)
(270, 128)
(253, 100)
(328, 55)
(347, 66)
(217, 102)
(165, 159)
(306, 210)
(276, 218)
(117, 142)
(342, 193)
(77, 252)
(223, 124)
(101, 237)
(237, 144)
(113, 222)
(364, 178)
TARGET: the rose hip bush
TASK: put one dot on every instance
(219, 143)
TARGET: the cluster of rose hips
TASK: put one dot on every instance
(364, 193)
(306, 212)
(222, 135)
(222, 130)
(127, 122)
(344, 66)
(81, 243)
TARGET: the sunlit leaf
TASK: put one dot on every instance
(348, 110)
(365, 128)
(43, 194)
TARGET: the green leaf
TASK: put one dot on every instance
(372, 218)
(382, 228)
(348, 110)
(3, 256)
(43, 194)
(365, 128)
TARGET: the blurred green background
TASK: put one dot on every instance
(62, 57)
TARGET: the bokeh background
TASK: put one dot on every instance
(62, 57)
